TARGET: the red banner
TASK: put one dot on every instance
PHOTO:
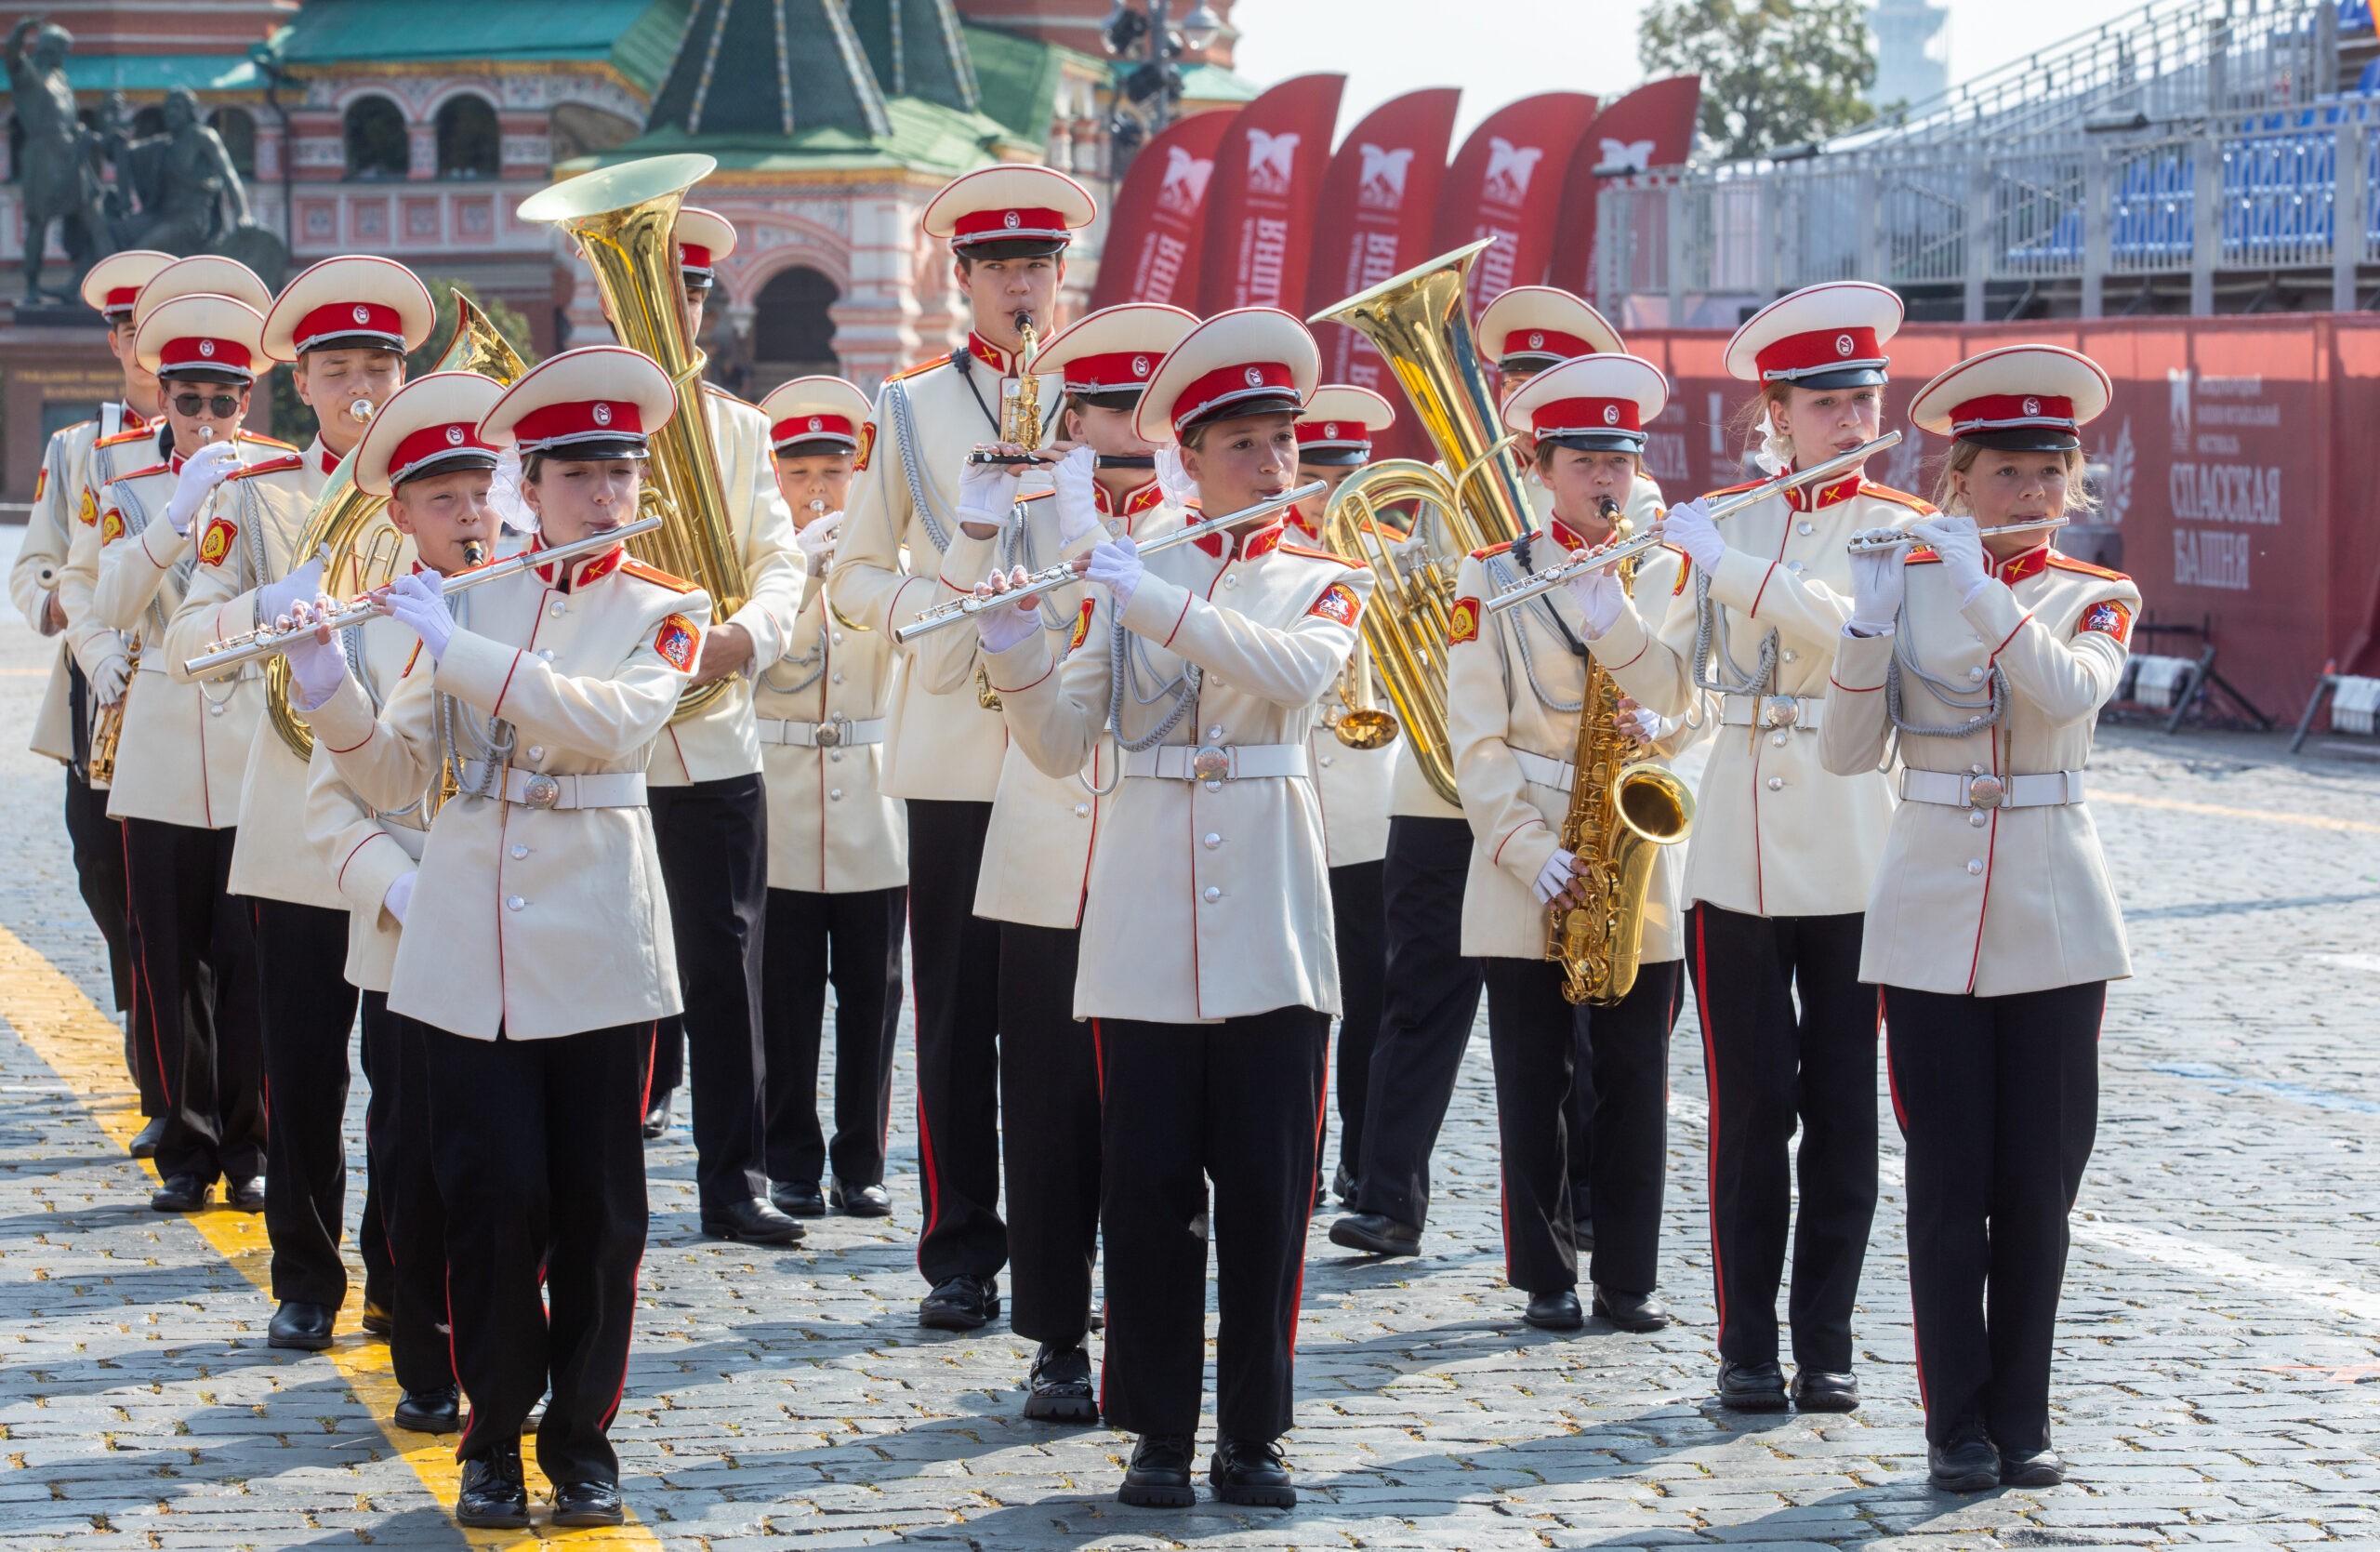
(1506, 183)
(1159, 220)
(1260, 207)
(1652, 126)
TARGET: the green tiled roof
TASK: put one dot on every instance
(160, 73)
(926, 136)
(1214, 84)
(1018, 77)
(635, 37)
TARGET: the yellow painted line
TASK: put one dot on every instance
(84, 1047)
(2262, 816)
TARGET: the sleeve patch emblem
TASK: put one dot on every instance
(1337, 603)
(41, 480)
(111, 527)
(216, 543)
(866, 446)
(1082, 625)
(2108, 617)
(675, 643)
(88, 514)
(1463, 624)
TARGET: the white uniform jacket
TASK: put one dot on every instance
(41, 558)
(1775, 832)
(831, 828)
(1512, 752)
(888, 563)
(1209, 898)
(1990, 901)
(719, 741)
(535, 921)
(368, 849)
(1351, 784)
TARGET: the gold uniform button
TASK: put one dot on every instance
(516, 903)
(1213, 894)
(518, 851)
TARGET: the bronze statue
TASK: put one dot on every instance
(59, 167)
(183, 178)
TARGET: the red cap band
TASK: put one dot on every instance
(1819, 351)
(1582, 417)
(694, 255)
(227, 355)
(583, 421)
(994, 226)
(349, 318)
(813, 428)
(432, 442)
(1995, 411)
(1333, 434)
(1226, 384)
(1551, 342)
(120, 300)
(1116, 372)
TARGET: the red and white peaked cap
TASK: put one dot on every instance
(429, 426)
(704, 237)
(814, 415)
(2019, 399)
(1597, 404)
(1830, 336)
(1339, 424)
(114, 284)
(1114, 353)
(1531, 327)
(1015, 201)
(354, 302)
(600, 402)
(204, 337)
(1249, 360)
(203, 275)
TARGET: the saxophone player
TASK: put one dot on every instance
(1519, 694)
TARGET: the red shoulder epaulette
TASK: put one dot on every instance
(1320, 555)
(926, 366)
(137, 473)
(730, 398)
(2068, 563)
(122, 437)
(1492, 550)
(268, 440)
(1921, 555)
(1899, 498)
(270, 466)
(1732, 490)
(659, 577)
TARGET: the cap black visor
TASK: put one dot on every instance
(1010, 247)
(1596, 442)
(449, 462)
(1333, 457)
(1284, 401)
(1850, 376)
(817, 447)
(2026, 439)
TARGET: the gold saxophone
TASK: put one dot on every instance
(1020, 425)
(1619, 810)
(107, 729)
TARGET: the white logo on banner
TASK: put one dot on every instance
(1383, 186)
(1635, 155)
(1185, 180)
(1270, 160)
(1510, 168)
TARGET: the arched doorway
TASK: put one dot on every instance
(468, 145)
(377, 140)
(793, 332)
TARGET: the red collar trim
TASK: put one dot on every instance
(1136, 502)
(589, 571)
(1241, 544)
(2032, 563)
(991, 355)
(323, 458)
(1812, 499)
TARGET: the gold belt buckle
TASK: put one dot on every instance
(1986, 791)
(543, 791)
(1779, 712)
(1210, 762)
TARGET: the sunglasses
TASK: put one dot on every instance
(221, 406)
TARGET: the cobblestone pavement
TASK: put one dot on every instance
(2219, 1369)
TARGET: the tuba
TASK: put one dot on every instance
(1417, 323)
(623, 219)
(361, 549)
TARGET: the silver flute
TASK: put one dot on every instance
(1726, 506)
(1876, 544)
(1051, 579)
(232, 651)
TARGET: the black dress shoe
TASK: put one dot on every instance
(1060, 1387)
(1631, 1311)
(246, 1195)
(656, 1119)
(1159, 1474)
(378, 1320)
(1964, 1463)
(1752, 1386)
(1376, 1234)
(588, 1503)
(494, 1496)
(181, 1193)
(2029, 1467)
(301, 1325)
(798, 1201)
(1825, 1390)
(1250, 1472)
(1099, 1319)
(1554, 1311)
(860, 1202)
(430, 1411)
(144, 1142)
(752, 1221)
(963, 1303)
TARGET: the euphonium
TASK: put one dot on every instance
(1619, 811)
(623, 219)
(362, 549)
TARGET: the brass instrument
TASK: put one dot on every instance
(1860, 544)
(623, 219)
(107, 729)
(1418, 323)
(1619, 811)
(1357, 721)
(1019, 425)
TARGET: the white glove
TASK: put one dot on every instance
(399, 895)
(415, 600)
(1172, 478)
(998, 630)
(1641, 722)
(316, 665)
(1878, 584)
(816, 541)
(202, 471)
(302, 586)
(1954, 539)
(1116, 565)
(1555, 877)
(1600, 599)
(108, 683)
(988, 492)
(1077, 500)
(1688, 527)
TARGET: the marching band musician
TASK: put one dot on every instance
(537, 1036)
(346, 324)
(1516, 689)
(55, 597)
(436, 489)
(1784, 851)
(1037, 848)
(710, 810)
(1008, 227)
(1334, 441)
(1988, 657)
(1206, 968)
(184, 748)
(839, 856)
(1533, 329)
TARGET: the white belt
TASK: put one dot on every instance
(1219, 763)
(1539, 771)
(1805, 713)
(1955, 789)
(596, 789)
(839, 733)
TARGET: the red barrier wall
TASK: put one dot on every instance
(2244, 459)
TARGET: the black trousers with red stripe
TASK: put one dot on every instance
(411, 1226)
(1535, 1035)
(196, 954)
(955, 965)
(1238, 1103)
(1773, 1065)
(1998, 1099)
(98, 844)
(306, 1010)
(852, 942)
(539, 1158)
(1049, 1136)
(1360, 921)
